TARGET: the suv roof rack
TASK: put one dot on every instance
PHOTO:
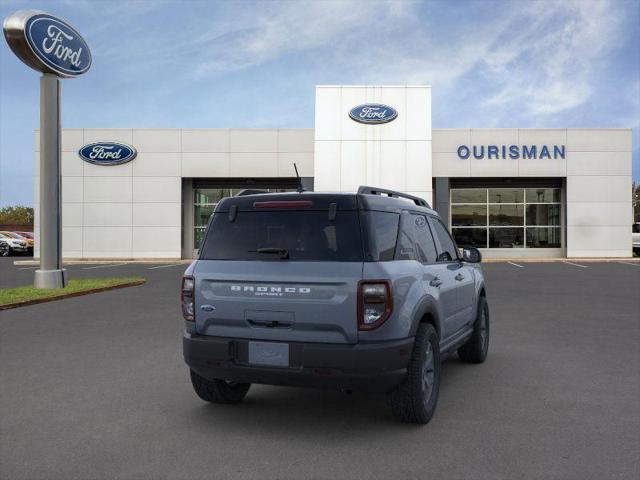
(365, 190)
(250, 191)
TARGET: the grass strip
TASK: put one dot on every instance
(29, 295)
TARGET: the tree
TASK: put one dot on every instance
(17, 215)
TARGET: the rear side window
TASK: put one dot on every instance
(304, 235)
(448, 247)
(424, 240)
(381, 232)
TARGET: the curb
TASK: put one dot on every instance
(62, 296)
(35, 263)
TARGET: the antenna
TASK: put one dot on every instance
(300, 189)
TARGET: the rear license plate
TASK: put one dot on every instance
(269, 353)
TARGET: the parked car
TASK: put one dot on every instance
(635, 238)
(5, 249)
(16, 244)
(22, 236)
(363, 291)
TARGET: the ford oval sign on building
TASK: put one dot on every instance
(107, 153)
(373, 113)
(47, 43)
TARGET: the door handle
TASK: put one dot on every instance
(436, 282)
(459, 277)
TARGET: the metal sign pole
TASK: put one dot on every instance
(49, 45)
(51, 274)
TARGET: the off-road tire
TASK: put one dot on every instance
(412, 402)
(218, 391)
(476, 348)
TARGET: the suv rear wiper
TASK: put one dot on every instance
(283, 252)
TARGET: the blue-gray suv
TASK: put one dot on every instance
(364, 291)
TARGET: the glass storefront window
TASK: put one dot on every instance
(543, 195)
(506, 237)
(470, 237)
(506, 195)
(468, 215)
(506, 215)
(544, 237)
(543, 214)
(469, 195)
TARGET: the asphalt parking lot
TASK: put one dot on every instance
(95, 387)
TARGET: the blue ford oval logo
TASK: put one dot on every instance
(107, 153)
(58, 45)
(373, 113)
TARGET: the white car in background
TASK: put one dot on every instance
(635, 238)
(15, 244)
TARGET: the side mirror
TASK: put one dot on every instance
(471, 255)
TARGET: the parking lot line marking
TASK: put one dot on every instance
(105, 266)
(629, 263)
(515, 265)
(576, 264)
(165, 266)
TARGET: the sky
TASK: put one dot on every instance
(218, 64)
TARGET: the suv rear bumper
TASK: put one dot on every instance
(370, 367)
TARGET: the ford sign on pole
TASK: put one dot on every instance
(373, 113)
(107, 153)
(51, 46)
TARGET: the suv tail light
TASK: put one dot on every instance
(375, 303)
(186, 298)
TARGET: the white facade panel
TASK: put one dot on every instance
(156, 140)
(107, 215)
(599, 140)
(258, 141)
(448, 140)
(295, 140)
(71, 215)
(197, 141)
(156, 214)
(253, 164)
(494, 136)
(72, 238)
(102, 189)
(155, 165)
(304, 162)
(72, 189)
(156, 189)
(598, 189)
(542, 136)
(124, 135)
(373, 154)
(70, 164)
(147, 241)
(205, 165)
(106, 242)
(326, 165)
(92, 170)
(72, 140)
(418, 123)
(542, 167)
(328, 113)
(599, 214)
(598, 163)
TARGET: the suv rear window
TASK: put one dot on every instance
(305, 235)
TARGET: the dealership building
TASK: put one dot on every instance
(514, 193)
